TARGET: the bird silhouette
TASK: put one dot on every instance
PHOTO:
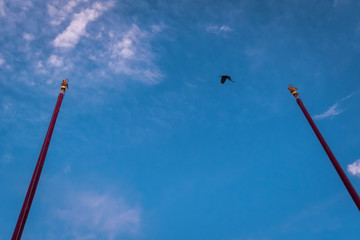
(224, 78)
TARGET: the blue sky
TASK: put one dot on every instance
(149, 145)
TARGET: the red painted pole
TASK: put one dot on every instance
(333, 160)
(36, 175)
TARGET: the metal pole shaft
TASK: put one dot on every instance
(333, 160)
(36, 175)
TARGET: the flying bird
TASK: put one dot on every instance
(224, 78)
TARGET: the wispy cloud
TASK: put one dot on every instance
(354, 168)
(335, 3)
(55, 61)
(156, 28)
(2, 61)
(77, 28)
(6, 158)
(119, 51)
(67, 169)
(98, 216)
(217, 29)
(333, 110)
(28, 37)
(305, 217)
(2, 8)
(59, 12)
(131, 55)
(11, 109)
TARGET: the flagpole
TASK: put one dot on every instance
(354, 195)
(37, 172)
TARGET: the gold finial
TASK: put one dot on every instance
(293, 90)
(64, 85)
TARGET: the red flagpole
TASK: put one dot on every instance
(37, 172)
(354, 195)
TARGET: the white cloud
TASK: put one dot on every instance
(11, 110)
(131, 55)
(332, 111)
(190, 85)
(28, 36)
(217, 29)
(77, 28)
(67, 169)
(335, 3)
(40, 68)
(7, 110)
(58, 12)
(123, 51)
(55, 61)
(129, 44)
(2, 8)
(156, 28)
(225, 28)
(6, 158)
(354, 168)
(2, 61)
(125, 48)
(99, 216)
